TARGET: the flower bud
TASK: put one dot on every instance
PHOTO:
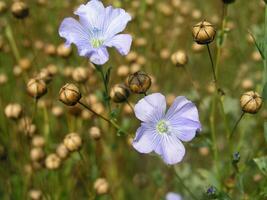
(69, 94)
(101, 186)
(37, 154)
(139, 82)
(13, 111)
(179, 58)
(95, 133)
(119, 93)
(73, 142)
(36, 88)
(20, 9)
(62, 151)
(251, 102)
(203, 32)
(52, 161)
(228, 1)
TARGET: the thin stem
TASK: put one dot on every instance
(265, 50)
(112, 122)
(130, 105)
(185, 186)
(10, 37)
(212, 64)
(236, 124)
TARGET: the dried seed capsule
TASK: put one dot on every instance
(45, 75)
(95, 133)
(101, 186)
(63, 51)
(228, 1)
(38, 141)
(139, 82)
(20, 9)
(179, 58)
(69, 94)
(62, 151)
(73, 142)
(3, 7)
(251, 102)
(35, 194)
(37, 154)
(13, 111)
(119, 93)
(203, 32)
(52, 161)
(80, 74)
(36, 88)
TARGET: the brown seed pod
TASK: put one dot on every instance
(45, 75)
(179, 58)
(80, 74)
(73, 142)
(35, 194)
(139, 82)
(20, 10)
(25, 64)
(63, 51)
(101, 186)
(119, 93)
(38, 141)
(13, 111)
(36, 88)
(52, 161)
(95, 133)
(3, 7)
(69, 94)
(62, 151)
(37, 154)
(203, 32)
(251, 102)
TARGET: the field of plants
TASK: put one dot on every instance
(133, 100)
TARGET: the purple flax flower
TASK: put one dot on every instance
(163, 132)
(173, 196)
(98, 28)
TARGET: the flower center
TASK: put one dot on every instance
(96, 43)
(162, 127)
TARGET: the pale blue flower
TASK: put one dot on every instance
(98, 28)
(173, 196)
(163, 132)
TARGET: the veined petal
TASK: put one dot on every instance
(92, 15)
(121, 42)
(99, 56)
(173, 196)
(171, 149)
(73, 32)
(182, 107)
(184, 129)
(151, 108)
(146, 140)
(115, 21)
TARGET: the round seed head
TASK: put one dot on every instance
(69, 94)
(203, 32)
(251, 102)
(95, 133)
(73, 142)
(63, 51)
(38, 141)
(179, 58)
(101, 186)
(13, 111)
(37, 154)
(62, 151)
(35, 194)
(52, 161)
(3, 7)
(80, 74)
(139, 82)
(36, 88)
(20, 10)
(119, 93)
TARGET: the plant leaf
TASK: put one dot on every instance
(262, 164)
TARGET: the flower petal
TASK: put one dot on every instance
(92, 14)
(184, 129)
(115, 21)
(99, 56)
(146, 140)
(73, 32)
(151, 108)
(121, 42)
(171, 149)
(173, 196)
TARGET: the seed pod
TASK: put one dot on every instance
(35, 194)
(80, 74)
(45, 75)
(179, 58)
(52, 161)
(63, 51)
(37, 154)
(228, 1)
(101, 186)
(38, 141)
(3, 7)
(25, 64)
(95, 133)
(69, 94)
(73, 142)
(203, 32)
(36, 88)
(20, 9)
(13, 111)
(62, 151)
(119, 93)
(251, 102)
(139, 82)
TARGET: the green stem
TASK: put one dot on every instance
(185, 186)
(265, 50)
(10, 37)
(236, 124)
(212, 66)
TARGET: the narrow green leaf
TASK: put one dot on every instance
(262, 164)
